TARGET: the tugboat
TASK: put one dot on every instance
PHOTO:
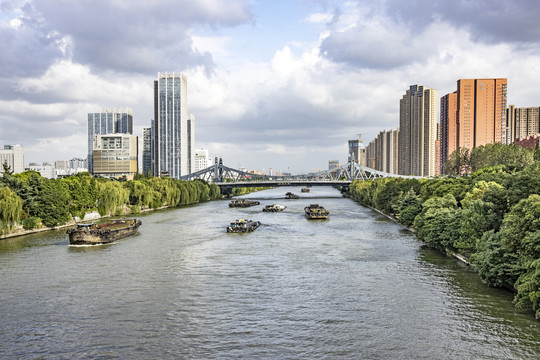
(315, 211)
(94, 234)
(243, 203)
(306, 189)
(242, 226)
(290, 195)
(273, 208)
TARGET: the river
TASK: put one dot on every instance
(356, 286)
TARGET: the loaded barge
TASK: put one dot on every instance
(243, 203)
(95, 234)
(315, 211)
(242, 226)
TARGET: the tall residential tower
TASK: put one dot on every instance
(417, 131)
(474, 115)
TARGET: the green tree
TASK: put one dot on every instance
(438, 222)
(458, 163)
(53, 202)
(10, 209)
(524, 183)
(112, 197)
(496, 265)
(528, 288)
(408, 207)
(511, 156)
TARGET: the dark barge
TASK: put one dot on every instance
(94, 234)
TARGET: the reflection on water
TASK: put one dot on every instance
(354, 286)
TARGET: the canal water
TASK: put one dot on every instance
(355, 286)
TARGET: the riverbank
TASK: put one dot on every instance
(90, 216)
(447, 251)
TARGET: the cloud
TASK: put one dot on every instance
(125, 36)
(489, 21)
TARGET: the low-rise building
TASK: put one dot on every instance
(115, 155)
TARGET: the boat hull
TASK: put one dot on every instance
(243, 226)
(102, 234)
(316, 212)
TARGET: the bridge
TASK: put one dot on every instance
(227, 178)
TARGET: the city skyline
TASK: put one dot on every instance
(279, 84)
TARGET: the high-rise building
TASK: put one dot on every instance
(481, 111)
(510, 124)
(438, 167)
(191, 142)
(475, 115)
(13, 157)
(523, 122)
(115, 155)
(392, 151)
(333, 164)
(382, 152)
(170, 126)
(108, 121)
(417, 131)
(147, 151)
(357, 153)
(448, 126)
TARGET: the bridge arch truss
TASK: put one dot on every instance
(219, 173)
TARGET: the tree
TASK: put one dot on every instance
(528, 288)
(495, 264)
(7, 169)
(10, 209)
(511, 156)
(53, 203)
(408, 207)
(458, 163)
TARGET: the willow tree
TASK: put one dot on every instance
(112, 197)
(10, 209)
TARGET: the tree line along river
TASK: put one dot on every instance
(354, 286)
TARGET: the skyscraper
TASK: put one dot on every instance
(108, 121)
(481, 111)
(474, 115)
(170, 125)
(417, 131)
(524, 122)
(449, 126)
(147, 151)
(357, 152)
(191, 143)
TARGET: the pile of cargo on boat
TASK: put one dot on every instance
(94, 234)
(315, 211)
(242, 226)
(243, 203)
(306, 189)
(273, 208)
(290, 195)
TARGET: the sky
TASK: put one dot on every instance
(273, 84)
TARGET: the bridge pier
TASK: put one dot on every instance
(226, 191)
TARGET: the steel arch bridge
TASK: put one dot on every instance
(226, 177)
